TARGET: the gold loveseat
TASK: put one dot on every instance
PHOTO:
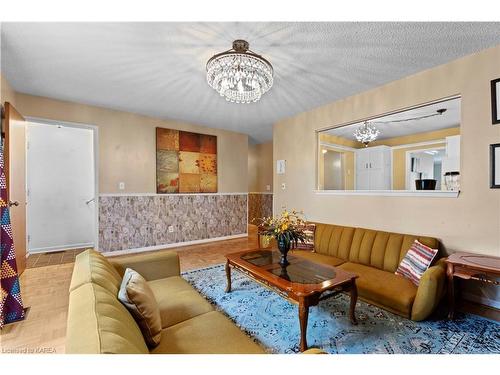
(375, 256)
(99, 323)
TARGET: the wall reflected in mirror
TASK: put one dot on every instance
(415, 149)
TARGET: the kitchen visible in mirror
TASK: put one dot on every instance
(411, 152)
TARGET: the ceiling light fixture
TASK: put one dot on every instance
(240, 75)
(367, 132)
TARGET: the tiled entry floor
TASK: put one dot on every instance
(52, 259)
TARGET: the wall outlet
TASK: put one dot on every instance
(268, 187)
(121, 185)
(170, 229)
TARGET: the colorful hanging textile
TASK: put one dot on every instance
(11, 304)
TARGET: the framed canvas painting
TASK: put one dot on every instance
(186, 162)
(495, 101)
(495, 166)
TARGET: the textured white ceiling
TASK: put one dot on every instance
(449, 119)
(158, 69)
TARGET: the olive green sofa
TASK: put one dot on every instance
(375, 256)
(99, 323)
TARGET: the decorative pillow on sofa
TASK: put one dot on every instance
(138, 298)
(416, 262)
(309, 230)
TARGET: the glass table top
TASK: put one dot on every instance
(299, 270)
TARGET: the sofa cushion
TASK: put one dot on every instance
(177, 300)
(383, 250)
(140, 301)
(382, 288)
(210, 333)
(334, 240)
(93, 267)
(308, 244)
(318, 258)
(416, 261)
(99, 323)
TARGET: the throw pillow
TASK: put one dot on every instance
(416, 262)
(138, 298)
(309, 230)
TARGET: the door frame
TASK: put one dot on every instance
(408, 160)
(95, 132)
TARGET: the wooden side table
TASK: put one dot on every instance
(468, 266)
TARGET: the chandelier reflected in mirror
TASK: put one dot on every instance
(240, 75)
(366, 133)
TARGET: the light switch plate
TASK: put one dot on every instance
(268, 187)
(121, 185)
(283, 186)
(280, 166)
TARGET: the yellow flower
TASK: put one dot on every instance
(284, 227)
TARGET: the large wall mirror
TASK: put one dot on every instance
(413, 150)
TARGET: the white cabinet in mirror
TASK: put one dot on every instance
(416, 153)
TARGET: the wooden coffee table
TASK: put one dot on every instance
(302, 282)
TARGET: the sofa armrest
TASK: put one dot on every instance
(314, 351)
(152, 266)
(430, 291)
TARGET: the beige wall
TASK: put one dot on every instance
(260, 167)
(339, 141)
(470, 222)
(127, 144)
(7, 94)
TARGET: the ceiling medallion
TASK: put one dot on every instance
(240, 75)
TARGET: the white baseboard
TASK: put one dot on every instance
(59, 248)
(481, 299)
(172, 245)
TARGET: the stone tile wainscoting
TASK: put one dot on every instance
(259, 205)
(137, 222)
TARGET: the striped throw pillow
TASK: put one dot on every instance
(416, 262)
(309, 230)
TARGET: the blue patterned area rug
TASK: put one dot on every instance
(273, 322)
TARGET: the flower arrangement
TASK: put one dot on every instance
(287, 229)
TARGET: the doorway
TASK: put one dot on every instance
(424, 164)
(334, 170)
(61, 185)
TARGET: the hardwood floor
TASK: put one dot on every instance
(45, 291)
(52, 259)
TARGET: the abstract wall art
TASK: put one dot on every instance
(185, 162)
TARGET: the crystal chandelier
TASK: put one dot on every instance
(239, 74)
(366, 133)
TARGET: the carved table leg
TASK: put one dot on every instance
(228, 276)
(451, 291)
(303, 317)
(354, 299)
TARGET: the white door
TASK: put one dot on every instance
(363, 179)
(376, 159)
(378, 180)
(362, 159)
(61, 188)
